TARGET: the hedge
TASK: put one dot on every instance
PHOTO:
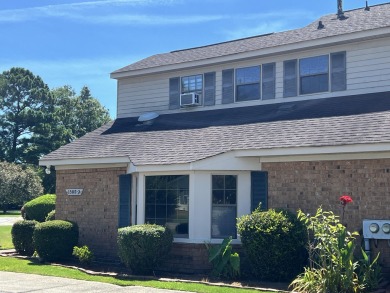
(38, 208)
(54, 240)
(142, 247)
(22, 237)
(274, 242)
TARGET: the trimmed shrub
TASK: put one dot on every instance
(51, 216)
(54, 240)
(38, 208)
(22, 237)
(142, 247)
(84, 254)
(274, 242)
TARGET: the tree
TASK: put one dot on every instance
(71, 117)
(22, 103)
(35, 121)
(18, 184)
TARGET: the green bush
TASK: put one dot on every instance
(274, 242)
(332, 267)
(22, 237)
(84, 254)
(38, 208)
(51, 216)
(54, 240)
(142, 247)
(226, 264)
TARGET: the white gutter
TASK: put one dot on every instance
(85, 161)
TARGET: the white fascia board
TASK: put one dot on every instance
(346, 152)
(266, 52)
(159, 168)
(85, 161)
(221, 162)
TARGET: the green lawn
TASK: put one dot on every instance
(26, 266)
(10, 214)
(5, 237)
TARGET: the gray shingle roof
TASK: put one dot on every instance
(358, 119)
(357, 20)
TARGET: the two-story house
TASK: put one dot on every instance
(290, 120)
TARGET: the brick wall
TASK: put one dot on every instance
(307, 185)
(187, 258)
(96, 210)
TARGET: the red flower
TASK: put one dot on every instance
(345, 199)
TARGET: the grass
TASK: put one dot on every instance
(10, 264)
(5, 237)
(10, 214)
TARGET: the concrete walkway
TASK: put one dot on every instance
(23, 283)
(9, 221)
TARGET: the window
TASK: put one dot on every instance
(314, 74)
(166, 202)
(248, 83)
(224, 206)
(190, 84)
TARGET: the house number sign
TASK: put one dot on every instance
(74, 191)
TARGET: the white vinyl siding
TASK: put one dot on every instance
(368, 70)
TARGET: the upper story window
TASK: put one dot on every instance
(192, 84)
(248, 83)
(314, 74)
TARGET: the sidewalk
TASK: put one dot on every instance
(23, 283)
(9, 221)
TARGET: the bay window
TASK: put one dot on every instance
(166, 202)
(224, 206)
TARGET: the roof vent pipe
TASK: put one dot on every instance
(340, 12)
(320, 25)
(367, 7)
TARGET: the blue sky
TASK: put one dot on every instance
(79, 43)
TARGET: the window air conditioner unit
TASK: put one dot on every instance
(189, 99)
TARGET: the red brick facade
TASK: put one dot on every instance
(293, 185)
(96, 210)
(308, 185)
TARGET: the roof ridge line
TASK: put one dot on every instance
(220, 43)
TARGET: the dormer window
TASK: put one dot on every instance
(314, 74)
(248, 83)
(192, 84)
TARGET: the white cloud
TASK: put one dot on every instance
(142, 19)
(77, 10)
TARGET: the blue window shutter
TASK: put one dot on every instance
(338, 71)
(124, 200)
(259, 190)
(227, 86)
(290, 78)
(268, 81)
(174, 93)
(209, 89)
